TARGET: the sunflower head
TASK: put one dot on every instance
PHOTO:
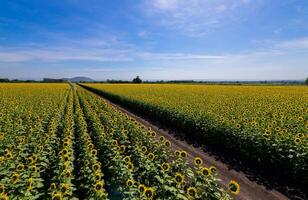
(179, 178)
(98, 176)
(141, 188)
(122, 148)
(153, 134)
(213, 169)
(127, 159)
(15, 178)
(191, 192)
(297, 140)
(53, 186)
(66, 158)
(177, 153)
(144, 149)
(151, 156)
(96, 167)
(149, 193)
(64, 187)
(98, 186)
(167, 143)
(2, 189)
(8, 155)
(64, 151)
(115, 143)
(234, 187)
(198, 161)
(30, 160)
(129, 183)
(130, 166)
(4, 196)
(94, 152)
(29, 184)
(20, 167)
(67, 173)
(90, 146)
(205, 171)
(161, 138)
(56, 196)
(183, 154)
(165, 166)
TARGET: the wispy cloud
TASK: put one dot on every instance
(196, 17)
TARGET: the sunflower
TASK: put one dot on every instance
(161, 138)
(198, 161)
(1, 136)
(167, 143)
(213, 169)
(122, 148)
(191, 192)
(66, 144)
(130, 166)
(234, 187)
(141, 188)
(144, 149)
(98, 176)
(153, 134)
(20, 167)
(4, 196)
(22, 140)
(115, 143)
(53, 186)
(90, 146)
(67, 173)
(127, 159)
(149, 193)
(94, 152)
(64, 152)
(66, 158)
(6, 151)
(183, 154)
(15, 178)
(205, 171)
(129, 183)
(96, 167)
(8, 155)
(165, 167)
(179, 178)
(64, 187)
(297, 140)
(177, 153)
(29, 184)
(2, 189)
(151, 156)
(98, 186)
(57, 196)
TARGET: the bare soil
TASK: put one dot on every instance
(253, 187)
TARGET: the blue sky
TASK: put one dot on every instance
(156, 39)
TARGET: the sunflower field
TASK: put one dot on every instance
(264, 124)
(62, 142)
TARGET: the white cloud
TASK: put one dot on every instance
(300, 43)
(196, 17)
(166, 4)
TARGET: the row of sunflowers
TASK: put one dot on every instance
(265, 125)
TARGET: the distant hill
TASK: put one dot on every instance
(81, 79)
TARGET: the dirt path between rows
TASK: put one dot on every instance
(250, 190)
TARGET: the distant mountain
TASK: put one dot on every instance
(81, 79)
